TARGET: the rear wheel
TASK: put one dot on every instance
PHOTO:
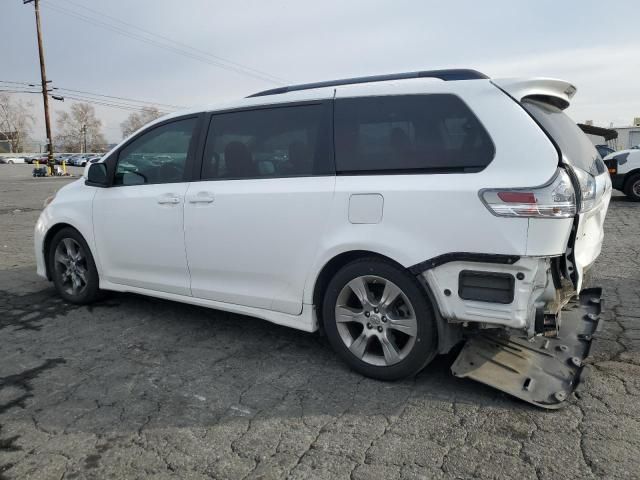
(379, 320)
(632, 188)
(72, 267)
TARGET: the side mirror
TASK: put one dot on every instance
(97, 175)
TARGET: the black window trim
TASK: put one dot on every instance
(208, 118)
(112, 160)
(417, 171)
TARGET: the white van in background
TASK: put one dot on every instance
(624, 167)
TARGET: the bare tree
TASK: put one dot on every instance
(137, 120)
(79, 130)
(16, 121)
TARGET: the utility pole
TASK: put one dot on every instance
(43, 75)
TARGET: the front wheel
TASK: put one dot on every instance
(632, 188)
(379, 320)
(72, 267)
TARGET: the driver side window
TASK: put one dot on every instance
(158, 156)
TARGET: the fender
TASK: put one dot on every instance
(74, 209)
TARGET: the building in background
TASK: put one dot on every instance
(627, 137)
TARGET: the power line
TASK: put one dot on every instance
(105, 103)
(119, 98)
(19, 91)
(176, 50)
(274, 78)
(63, 91)
(33, 84)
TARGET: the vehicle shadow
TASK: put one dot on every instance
(620, 197)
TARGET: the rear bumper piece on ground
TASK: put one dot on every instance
(543, 371)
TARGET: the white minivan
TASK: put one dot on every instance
(401, 215)
(624, 167)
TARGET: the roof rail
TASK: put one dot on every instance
(446, 75)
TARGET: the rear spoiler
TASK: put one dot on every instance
(548, 90)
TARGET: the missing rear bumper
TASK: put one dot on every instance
(543, 371)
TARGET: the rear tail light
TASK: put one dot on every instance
(556, 199)
(588, 189)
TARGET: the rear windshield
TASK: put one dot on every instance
(409, 134)
(574, 144)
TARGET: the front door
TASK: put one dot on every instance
(254, 222)
(139, 220)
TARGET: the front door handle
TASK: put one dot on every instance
(202, 197)
(169, 199)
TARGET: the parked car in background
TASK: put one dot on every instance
(404, 213)
(79, 160)
(63, 157)
(12, 160)
(604, 150)
(40, 159)
(624, 168)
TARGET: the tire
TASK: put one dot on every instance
(72, 267)
(632, 187)
(383, 340)
(10, 162)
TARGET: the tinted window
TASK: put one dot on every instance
(158, 156)
(574, 144)
(409, 133)
(270, 142)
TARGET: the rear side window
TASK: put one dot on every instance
(267, 143)
(409, 134)
(574, 144)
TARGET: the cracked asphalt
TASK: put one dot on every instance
(136, 387)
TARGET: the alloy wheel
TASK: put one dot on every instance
(376, 320)
(70, 263)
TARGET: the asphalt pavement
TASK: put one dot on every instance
(136, 387)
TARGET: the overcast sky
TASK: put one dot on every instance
(593, 44)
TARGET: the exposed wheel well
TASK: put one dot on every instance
(47, 242)
(330, 269)
(448, 335)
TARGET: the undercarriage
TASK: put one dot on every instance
(543, 370)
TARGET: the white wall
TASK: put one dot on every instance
(628, 137)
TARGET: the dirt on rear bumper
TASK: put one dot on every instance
(542, 371)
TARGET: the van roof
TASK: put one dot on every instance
(558, 92)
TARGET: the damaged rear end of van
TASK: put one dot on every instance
(529, 319)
